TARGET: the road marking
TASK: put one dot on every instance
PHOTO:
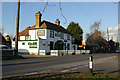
(45, 71)
(31, 73)
(74, 68)
(65, 70)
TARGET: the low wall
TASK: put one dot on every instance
(68, 52)
(6, 52)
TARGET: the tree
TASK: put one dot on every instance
(95, 26)
(117, 44)
(95, 40)
(76, 32)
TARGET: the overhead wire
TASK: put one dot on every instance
(62, 12)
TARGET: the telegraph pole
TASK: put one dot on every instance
(17, 28)
(107, 34)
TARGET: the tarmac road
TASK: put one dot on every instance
(71, 63)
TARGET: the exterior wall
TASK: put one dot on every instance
(22, 37)
(119, 34)
(44, 45)
(26, 48)
(55, 39)
(43, 41)
(32, 33)
(73, 46)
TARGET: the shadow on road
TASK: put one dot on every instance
(115, 71)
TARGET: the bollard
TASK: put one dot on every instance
(91, 64)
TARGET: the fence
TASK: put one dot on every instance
(54, 52)
(42, 52)
(68, 52)
(6, 52)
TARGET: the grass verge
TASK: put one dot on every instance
(67, 76)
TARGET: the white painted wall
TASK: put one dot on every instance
(42, 40)
(25, 48)
(22, 37)
(32, 33)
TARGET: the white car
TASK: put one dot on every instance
(3, 47)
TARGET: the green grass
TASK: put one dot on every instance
(67, 76)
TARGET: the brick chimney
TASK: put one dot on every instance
(57, 22)
(38, 19)
(112, 38)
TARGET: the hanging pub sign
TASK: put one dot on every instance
(41, 33)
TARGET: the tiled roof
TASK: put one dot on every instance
(25, 32)
(3, 42)
(95, 39)
(44, 25)
(51, 26)
(48, 25)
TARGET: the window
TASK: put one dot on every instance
(57, 34)
(62, 36)
(68, 37)
(51, 34)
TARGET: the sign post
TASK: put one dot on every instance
(91, 64)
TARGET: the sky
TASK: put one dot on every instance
(84, 13)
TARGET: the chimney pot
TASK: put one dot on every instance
(38, 19)
(57, 22)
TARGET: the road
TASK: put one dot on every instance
(71, 63)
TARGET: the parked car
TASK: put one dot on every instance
(118, 50)
(3, 47)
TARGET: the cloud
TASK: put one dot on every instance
(109, 29)
(113, 31)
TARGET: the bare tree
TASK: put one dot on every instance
(95, 26)
(103, 34)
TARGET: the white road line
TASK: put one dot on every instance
(74, 68)
(45, 71)
(65, 70)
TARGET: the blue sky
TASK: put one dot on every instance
(84, 13)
